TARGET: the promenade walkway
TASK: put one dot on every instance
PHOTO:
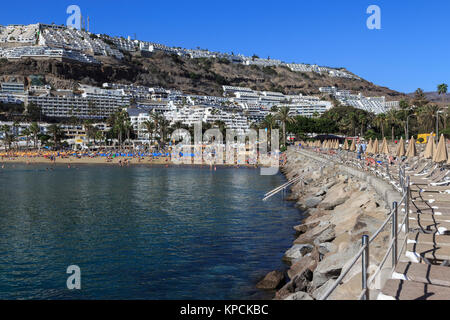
(420, 268)
(423, 271)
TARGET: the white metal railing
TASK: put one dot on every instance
(281, 188)
(391, 250)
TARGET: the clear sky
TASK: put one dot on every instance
(411, 50)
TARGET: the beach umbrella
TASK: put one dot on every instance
(346, 147)
(376, 147)
(412, 152)
(353, 146)
(385, 147)
(401, 148)
(441, 151)
(430, 149)
(369, 146)
(337, 144)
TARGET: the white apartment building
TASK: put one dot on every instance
(308, 109)
(42, 52)
(262, 62)
(19, 33)
(12, 87)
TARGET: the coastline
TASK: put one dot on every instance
(338, 208)
(102, 161)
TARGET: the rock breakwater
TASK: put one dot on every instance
(339, 209)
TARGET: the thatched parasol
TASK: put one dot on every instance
(385, 147)
(412, 151)
(441, 151)
(401, 148)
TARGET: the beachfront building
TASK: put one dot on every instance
(308, 109)
(92, 103)
(376, 105)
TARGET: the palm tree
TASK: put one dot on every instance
(118, 123)
(35, 130)
(150, 127)
(90, 130)
(353, 122)
(428, 117)
(393, 121)
(269, 123)
(27, 133)
(56, 133)
(420, 99)
(5, 129)
(442, 91)
(380, 121)
(283, 116)
(9, 140)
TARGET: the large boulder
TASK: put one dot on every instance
(312, 202)
(331, 266)
(297, 252)
(333, 204)
(318, 293)
(301, 265)
(327, 235)
(301, 282)
(327, 247)
(311, 235)
(305, 227)
(299, 296)
(271, 281)
(364, 224)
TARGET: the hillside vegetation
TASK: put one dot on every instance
(194, 76)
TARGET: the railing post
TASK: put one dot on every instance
(394, 233)
(408, 195)
(365, 266)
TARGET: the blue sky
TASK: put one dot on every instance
(411, 50)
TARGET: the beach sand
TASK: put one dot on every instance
(71, 160)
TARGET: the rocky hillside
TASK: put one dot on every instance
(195, 76)
(434, 97)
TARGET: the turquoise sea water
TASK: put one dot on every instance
(140, 232)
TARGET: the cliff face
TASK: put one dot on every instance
(195, 76)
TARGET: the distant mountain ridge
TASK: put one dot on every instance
(434, 97)
(129, 61)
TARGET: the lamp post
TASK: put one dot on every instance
(437, 122)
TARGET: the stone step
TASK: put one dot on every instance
(432, 198)
(411, 290)
(415, 251)
(429, 218)
(426, 225)
(418, 272)
(429, 189)
(444, 214)
(429, 239)
(428, 206)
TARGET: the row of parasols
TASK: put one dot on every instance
(438, 154)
